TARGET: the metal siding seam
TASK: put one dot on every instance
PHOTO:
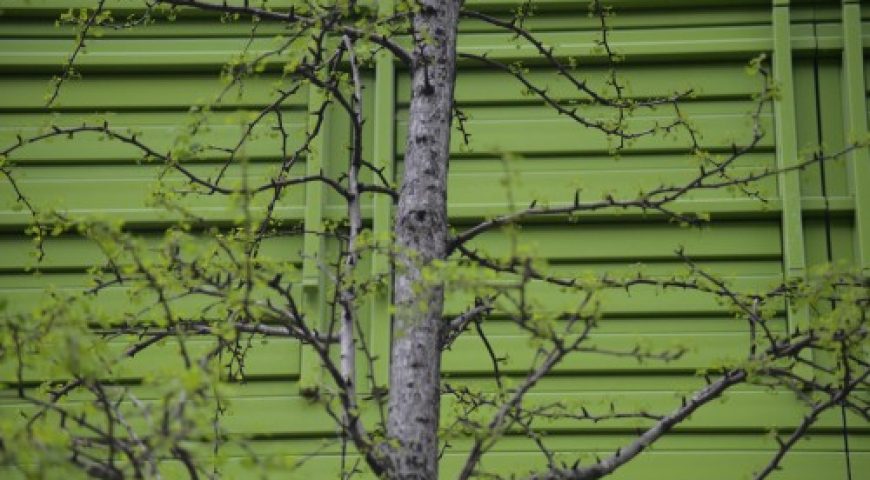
(313, 249)
(856, 128)
(794, 262)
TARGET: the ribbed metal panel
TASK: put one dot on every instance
(148, 80)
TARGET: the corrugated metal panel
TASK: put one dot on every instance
(148, 80)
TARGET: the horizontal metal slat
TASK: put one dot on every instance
(97, 93)
(272, 358)
(636, 242)
(79, 253)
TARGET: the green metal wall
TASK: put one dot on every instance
(147, 79)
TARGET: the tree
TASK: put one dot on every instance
(215, 281)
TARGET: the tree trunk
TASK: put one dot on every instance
(421, 235)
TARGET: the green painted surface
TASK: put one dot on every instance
(147, 82)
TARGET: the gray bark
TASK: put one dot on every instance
(421, 237)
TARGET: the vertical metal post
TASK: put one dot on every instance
(855, 102)
(384, 158)
(314, 244)
(794, 259)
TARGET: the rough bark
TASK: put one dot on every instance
(421, 237)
